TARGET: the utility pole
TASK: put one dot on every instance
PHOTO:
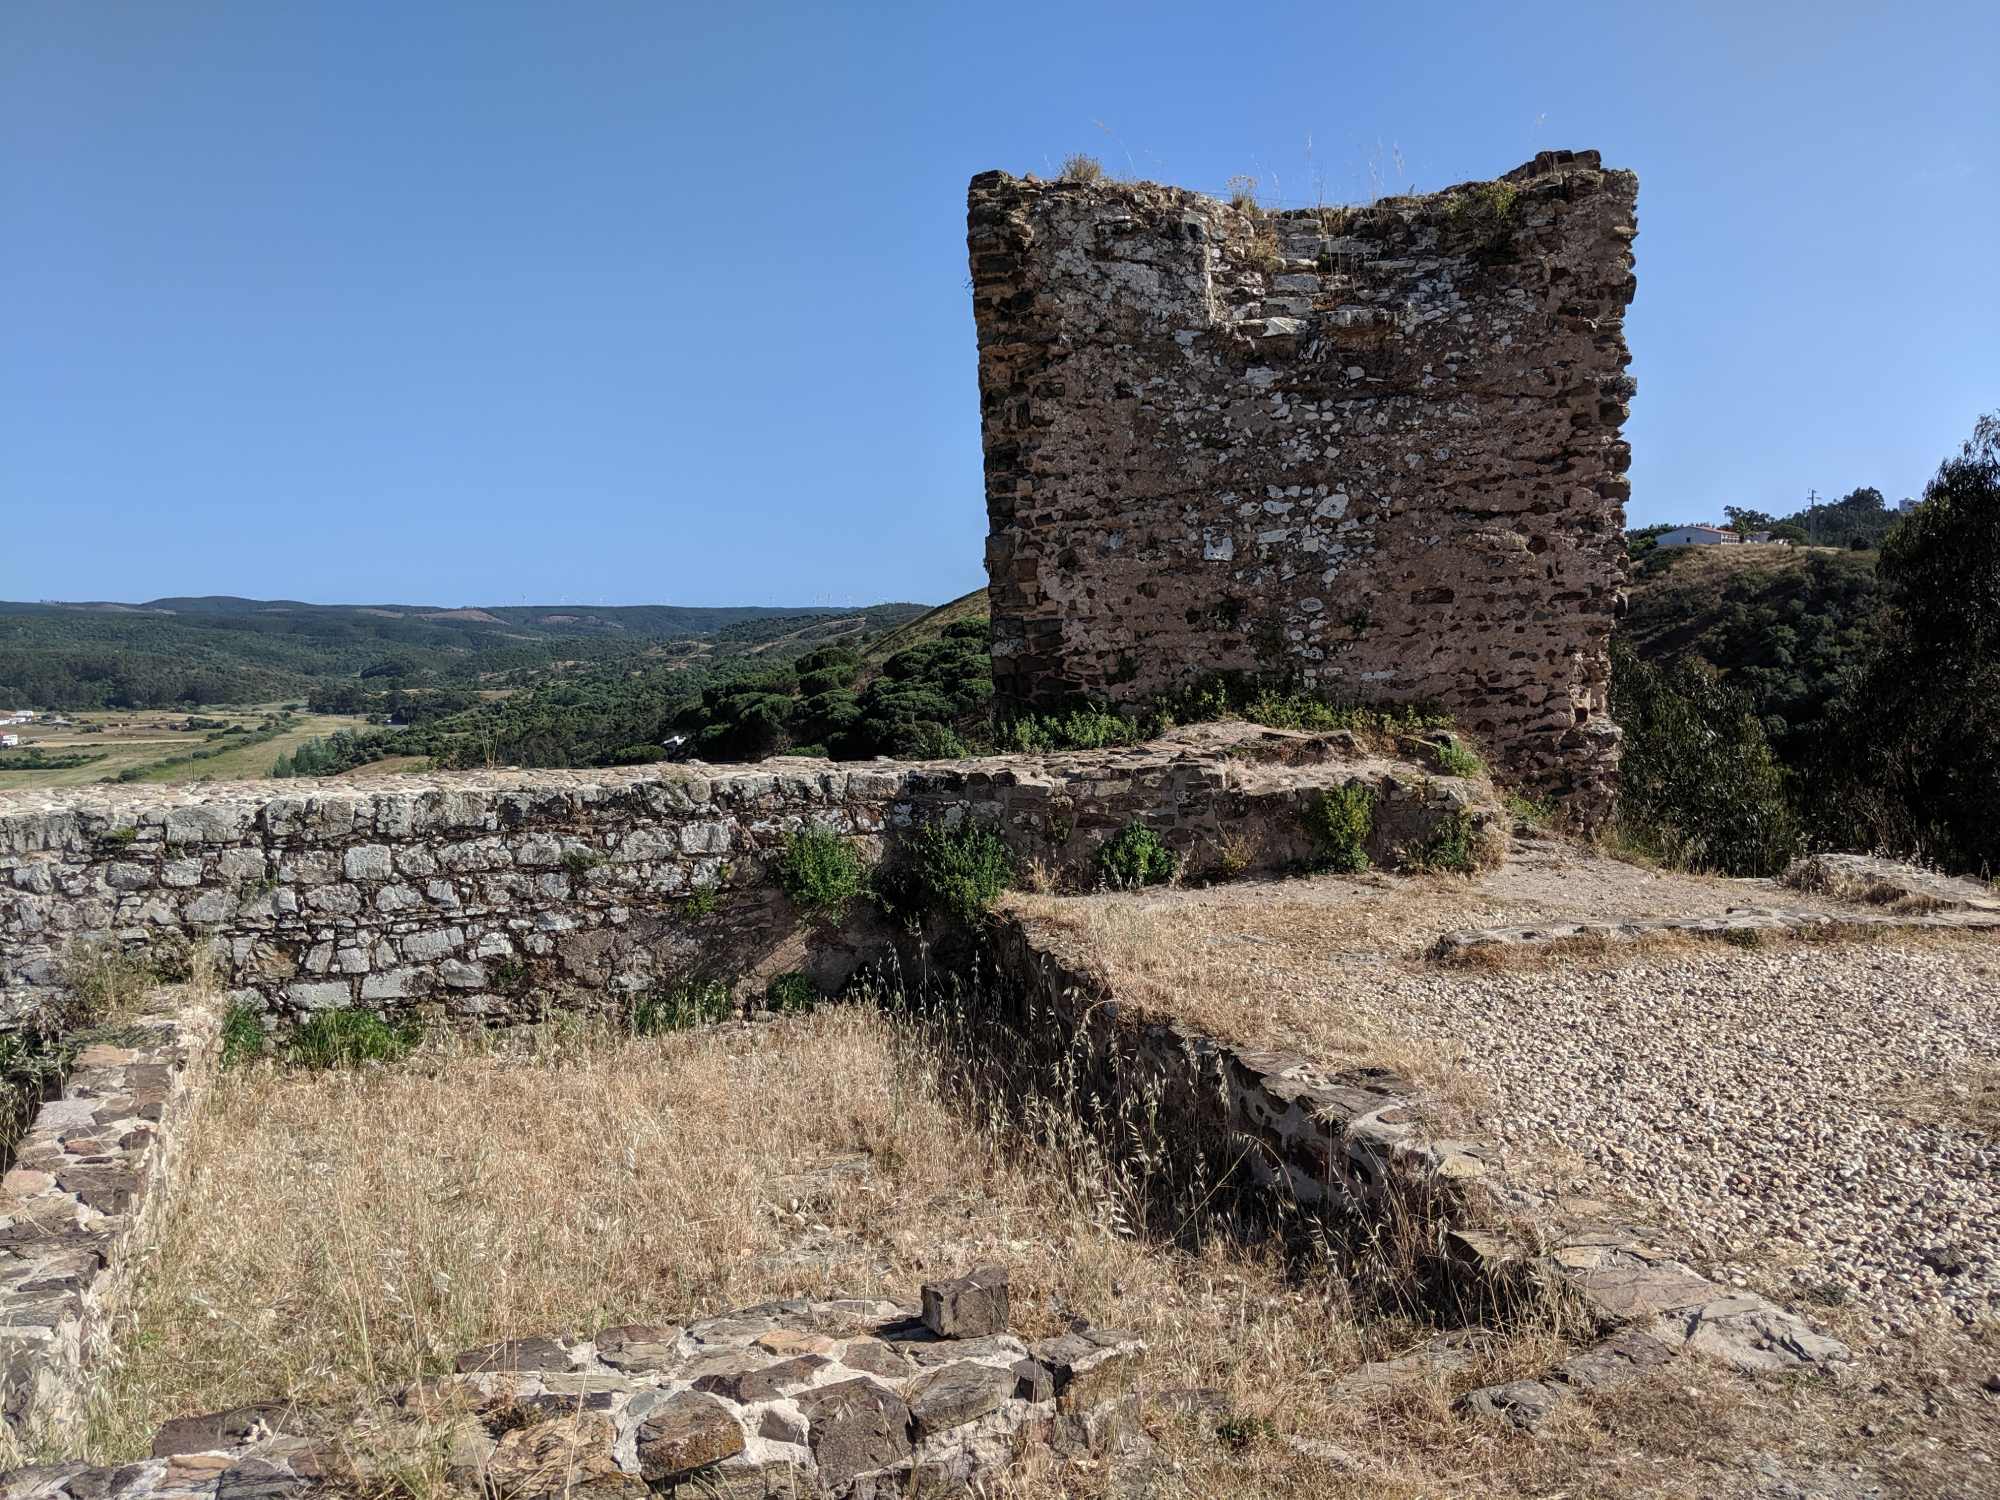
(1812, 510)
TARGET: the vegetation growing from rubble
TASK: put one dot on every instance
(1340, 820)
(1136, 856)
(790, 993)
(346, 1037)
(955, 871)
(680, 1007)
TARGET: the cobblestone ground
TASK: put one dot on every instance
(1810, 1109)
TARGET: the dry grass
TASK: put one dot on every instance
(1966, 1098)
(343, 1233)
(339, 1234)
(1228, 966)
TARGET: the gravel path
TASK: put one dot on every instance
(1785, 1108)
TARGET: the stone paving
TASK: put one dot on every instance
(844, 1399)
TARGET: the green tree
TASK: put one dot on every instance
(1917, 768)
(1700, 787)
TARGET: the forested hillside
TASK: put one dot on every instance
(226, 650)
(1781, 624)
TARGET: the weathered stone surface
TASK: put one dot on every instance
(1734, 925)
(1092, 1365)
(1748, 1333)
(764, 1381)
(955, 1394)
(1525, 1404)
(1374, 449)
(514, 1354)
(568, 1458)
(854, 1427)
(221, 1429)
(969, 1306)
(1623, 1357)
(380, 900)
(85, 1190)
(637, 1347)
(684, 1433)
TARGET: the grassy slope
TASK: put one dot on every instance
(924, 627)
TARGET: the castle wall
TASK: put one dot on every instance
(1371, 451)
(492, 896)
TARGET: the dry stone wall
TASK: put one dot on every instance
(1372, 450)
(86, 1186)
(489, 896)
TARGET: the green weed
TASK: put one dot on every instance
(821, 873)
(347, 1037)
(1136, 856)
(243, 1038)
(956, 871)
(790, 993)
(680, 1007)
(1340, 820)
(1455, 760)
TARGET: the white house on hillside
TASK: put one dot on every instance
(1699, 536)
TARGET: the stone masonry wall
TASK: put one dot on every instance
(1373, 450)
(490, 895)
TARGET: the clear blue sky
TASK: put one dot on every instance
(642, 302)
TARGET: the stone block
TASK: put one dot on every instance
(684, 1433)
(855, 1426)
(968, 1306)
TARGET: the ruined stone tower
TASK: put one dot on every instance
(1370, 451)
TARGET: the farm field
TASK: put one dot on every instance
(132, 739)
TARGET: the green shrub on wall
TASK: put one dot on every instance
(1136, 856)
(955, 871)
(821, 873)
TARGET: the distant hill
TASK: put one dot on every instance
(223, 649)
(1781, 623)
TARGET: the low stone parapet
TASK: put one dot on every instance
(488, 896)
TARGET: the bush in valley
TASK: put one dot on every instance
(1136, 856)
(1785, 634)
(956, 871)
(1699, 785)
(1915, 767)
(34, 758)
(821, 873)
(1339, 821)
(343, 750)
